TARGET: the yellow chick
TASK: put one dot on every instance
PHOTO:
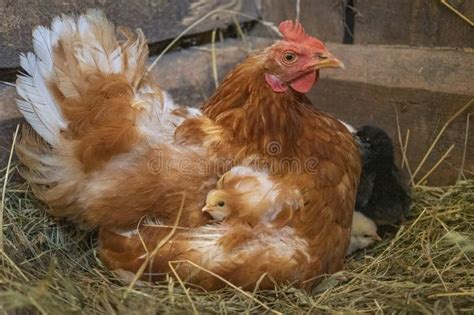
(217, 204)
(363, 234)
(254, 197)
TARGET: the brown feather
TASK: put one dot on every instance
(102, 121)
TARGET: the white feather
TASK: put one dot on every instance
(348, 127)
(38, 102)
(42, 47)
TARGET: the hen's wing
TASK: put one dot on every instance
(197, 253)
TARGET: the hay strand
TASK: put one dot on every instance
(5, 181)
(440, 133)
(426, 266)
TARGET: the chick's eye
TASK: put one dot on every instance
(289, 57)
(221, 203)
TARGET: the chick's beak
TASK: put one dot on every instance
(328, 60)
(377, 237)
(205, 208)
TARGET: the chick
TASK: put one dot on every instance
(253, 197)
(383, 194)
(218, 204)
(363, 234)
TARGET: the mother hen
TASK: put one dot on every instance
(108, 156)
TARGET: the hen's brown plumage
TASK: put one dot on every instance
(279, 253)
(284, 132)
(280, 127)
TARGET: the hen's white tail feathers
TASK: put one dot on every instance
(38, 107)
(43, 41)
(64, 59)
(83, 94)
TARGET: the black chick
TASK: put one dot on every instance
(383, 194)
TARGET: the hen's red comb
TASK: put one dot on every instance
(294, 31)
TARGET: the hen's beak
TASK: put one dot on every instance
(328, 60)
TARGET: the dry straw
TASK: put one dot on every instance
(427, 266)
(50, 267)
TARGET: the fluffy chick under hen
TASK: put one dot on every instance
(363, 233)
(253, 197)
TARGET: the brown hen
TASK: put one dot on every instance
(107, 156)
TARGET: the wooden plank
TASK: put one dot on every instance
(437, 70)
(187, 75)
(7, 128)
(9, 118)
(159, 19)
(7, 103)
(463, 8)
(322, 18)
(422, 112)
(433, 69)
(412, 22)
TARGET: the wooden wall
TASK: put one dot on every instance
(413, 22)
(159, 19)
(414, 58)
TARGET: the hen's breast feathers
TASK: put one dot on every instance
(296, 141)
(285, 132)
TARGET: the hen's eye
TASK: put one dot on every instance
(289, 57)
(221, 203)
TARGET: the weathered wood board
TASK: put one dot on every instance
(425, 86)
(322, 18)
(159, 19)
(446, 70)
(412, 22)
(9, 118)
(420, 111)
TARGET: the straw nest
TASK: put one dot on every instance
(426, 266)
